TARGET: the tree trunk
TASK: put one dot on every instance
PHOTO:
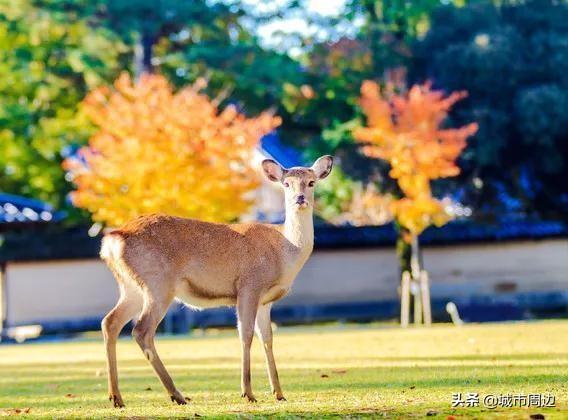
(375, 37)
(415, 257)
(143, 51)
(404, 249)
(415, 270)
(381, 19)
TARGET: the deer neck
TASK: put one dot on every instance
(299, 229)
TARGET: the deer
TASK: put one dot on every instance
(158, 258)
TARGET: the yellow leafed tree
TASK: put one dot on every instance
(405, 131)
(160, 151)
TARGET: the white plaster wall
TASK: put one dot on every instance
(354, 275)
(77, 289)
(483, 268)
(58, 290)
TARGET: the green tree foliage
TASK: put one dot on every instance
(389, 26)
(53, 51)
(376, 47)
(342, 201)
(513, 61)
(238, 70)
(185, 40)
(333, 195)
(49, 59)
(380, 38)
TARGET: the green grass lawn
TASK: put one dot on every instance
(325, 371)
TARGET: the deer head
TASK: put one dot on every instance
(298, 182)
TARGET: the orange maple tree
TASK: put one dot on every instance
(157, 150)
(405, 130)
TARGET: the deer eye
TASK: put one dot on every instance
(311, 183)
(286, 184)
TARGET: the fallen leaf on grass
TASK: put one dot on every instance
(413, 387)
(14, 411)
(148, 388)
(537, 416)
(70, 395)
(324, 375)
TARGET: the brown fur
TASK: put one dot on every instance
(158, 258)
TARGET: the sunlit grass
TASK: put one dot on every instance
(325, 371)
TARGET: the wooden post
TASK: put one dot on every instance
(426, 304)
(415, 276)
(417, 301)
(405, 299)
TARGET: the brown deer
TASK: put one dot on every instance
(158, 258)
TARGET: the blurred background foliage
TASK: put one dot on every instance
(49, 59)
(513, 60)
(510, 56)
(184, 156)
(342, 200)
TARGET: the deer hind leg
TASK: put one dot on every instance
(247, 305)
(144, 332)
(264, 333)
(128, 305)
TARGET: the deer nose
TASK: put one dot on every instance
(300, 199)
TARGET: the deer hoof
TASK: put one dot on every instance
(280, 397)
(116, 400)
(249, 397)
(180, 399)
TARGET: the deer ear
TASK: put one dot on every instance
(272, 170)
(322, 166)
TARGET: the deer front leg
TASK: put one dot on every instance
(247, 305)
(264, 333)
